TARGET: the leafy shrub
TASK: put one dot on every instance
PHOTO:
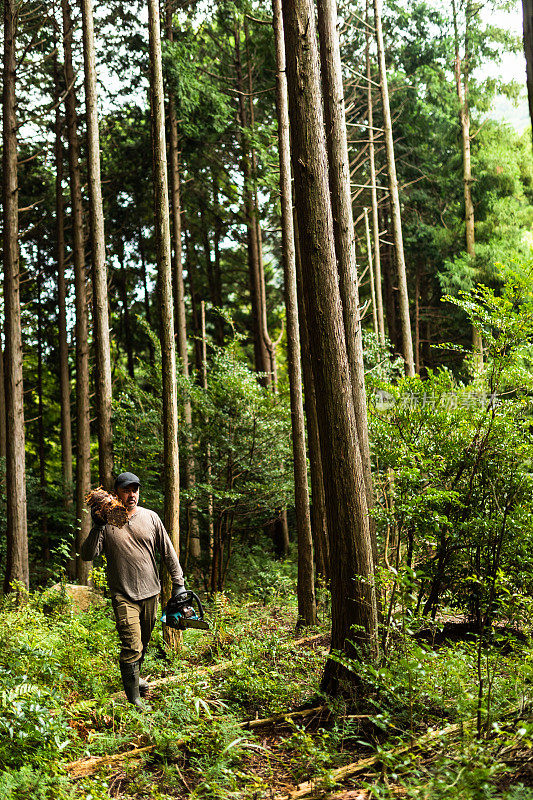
(31, 723)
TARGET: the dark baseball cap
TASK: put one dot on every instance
(125, 479)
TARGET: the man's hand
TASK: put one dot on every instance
(179, 594)
(98, 520)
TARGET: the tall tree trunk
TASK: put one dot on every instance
(403, 297)
(124, 297)
(305, 586)
(171, 478)
(210, 529)
(417, 318)
(269, 344)
(217, 275)
(196, 315)
(341, 206)
(261, 354)
(391, 290)
(16, 525)
(40, 410)
(83, 431)
(2, 407)
(103, 388)
(64, 376)
(319, 524)
(371, 273)
(353, 593)
(462, 68)
(193, 531)
(527, 11)
(146, 294)
(373, 187)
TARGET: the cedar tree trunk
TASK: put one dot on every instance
(83, 431)
(354, 609)
(171, 478)
(16, 524)
(407, 341)
(305, 587)
(103, 388)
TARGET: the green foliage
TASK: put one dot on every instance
(460, 498)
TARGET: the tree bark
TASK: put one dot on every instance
(83, 431)
(164, 263)
(261, 354)
(64, 376)
(17, 568)
(319, 524)
(527, 10)
(217, 275)
(341, 206)
(461, 83)
(2, 406)
(210, 530)
(371, 273)
(391, 290)
(417, 318)
(305, 585)
(103, 389)
(403, 297)
(181, 319)
(269, 344)
(40, 411)
(352, 579)
(123, 286)
(373, 189)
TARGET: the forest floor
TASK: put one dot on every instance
(412, 729)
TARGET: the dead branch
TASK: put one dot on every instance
(307, 788)
(88, 766)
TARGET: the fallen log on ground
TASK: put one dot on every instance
(88, 766)
(308, 639)
(307, 788)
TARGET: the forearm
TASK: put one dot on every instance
(92, 546)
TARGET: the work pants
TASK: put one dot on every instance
(135, 621)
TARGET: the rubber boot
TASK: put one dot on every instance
(144, 686)
(130, 681)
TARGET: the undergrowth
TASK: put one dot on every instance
(60, 701)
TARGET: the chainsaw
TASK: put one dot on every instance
(182, 614)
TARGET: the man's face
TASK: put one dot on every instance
(129, 496)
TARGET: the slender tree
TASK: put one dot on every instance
(261, 353)
(164, 264)
(2, 406)
(305, 587)
(208, 472)
(181, 318)
(40, 408)
(343, 229)
(373, 187)
(371, 271)
(527, 11)
(354, 609)
(64, 377)
(319, 523)
(461, 70)
(405, 321)
(83, 431)
(16, 530)
(99, 269)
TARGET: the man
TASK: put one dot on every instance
(133, 577)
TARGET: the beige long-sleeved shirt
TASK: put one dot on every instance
(131, 554)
